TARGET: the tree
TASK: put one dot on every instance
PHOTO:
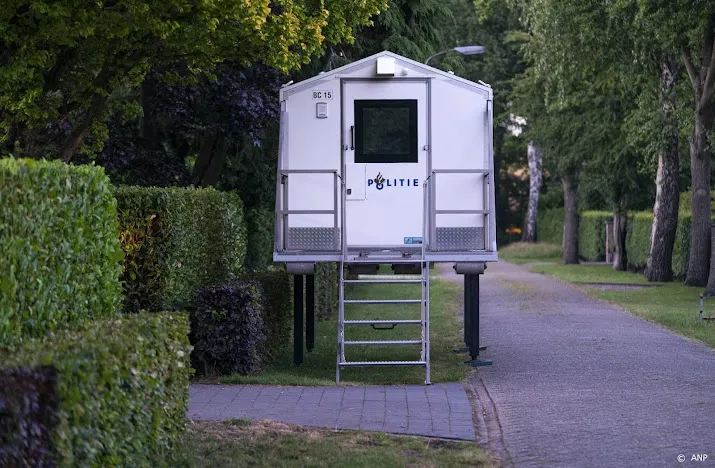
(67, 60)
(536, 158)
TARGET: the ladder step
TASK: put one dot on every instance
(403, 342)
(382, 363)
(384, 281)
(382, 301)
(380, 322)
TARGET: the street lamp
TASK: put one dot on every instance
(464, 50)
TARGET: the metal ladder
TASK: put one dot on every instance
(423, 321)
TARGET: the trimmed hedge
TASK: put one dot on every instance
(227, 329)
(278, 309)
(638, 242)
(177, 240)
(327, 282)
(259, 250)
(123, 385)
(592, 235)
(61, 260)
(550, 226)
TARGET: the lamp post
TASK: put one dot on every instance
(464, 50)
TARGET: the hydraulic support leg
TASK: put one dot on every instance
(472, 309)
(297, 319)
(467, 317)
(310, 312)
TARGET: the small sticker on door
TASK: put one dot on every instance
(413, 240)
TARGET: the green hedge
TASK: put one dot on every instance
(59, 254)
(326, 290)
(592, 235)
(123, 385)
(550, 226)
(177, 240)
(278, 309)
(638, 242)
(259, 250)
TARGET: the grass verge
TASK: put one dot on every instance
(523, 252)
(672, 305)
(318, 367)
(268, 444)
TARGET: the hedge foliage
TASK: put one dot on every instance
(327, 283)
(277, 310)
(177, 240)
(123, 385)
(550, 226)
(638, 239)
(592, 235)
(259, 250)
(227, 329)
(29, 405)
(60, 257)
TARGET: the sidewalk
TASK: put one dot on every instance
(440, 410)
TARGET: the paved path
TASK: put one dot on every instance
(440, 410)
(578, 383)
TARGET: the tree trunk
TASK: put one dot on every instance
(620, 259)
(535, 165)
(665, 210)
(80, 131)
(699, 259)
(570, 239)
(211, 158)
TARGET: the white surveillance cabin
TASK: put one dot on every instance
(385, 156)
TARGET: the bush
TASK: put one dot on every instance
(59, 248)
(227, 329)
(327, 282)
(28, 416)
(259, 250)
(278, 309)
(550, 226)
(177, 240)
(592, 235)
(123, 386)
(638, 242)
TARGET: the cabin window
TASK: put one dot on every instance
(386, 131)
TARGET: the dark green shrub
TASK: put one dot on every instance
(278, 309)
(28, 416)
(227, 329)
(550, 226)
(123, 384)
(177, 240)
(592, 235)
(60, 260)
(259, 246)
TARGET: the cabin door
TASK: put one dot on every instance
(385, 137)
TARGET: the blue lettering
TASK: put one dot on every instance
(416, 182)
(388, 183)
(402, 183)
(379, 186)
(370, 182)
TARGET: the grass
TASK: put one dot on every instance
(672, 305)
(589, 274)
(267, 444)
(523, 252)
(318, 367)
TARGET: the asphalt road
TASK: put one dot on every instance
(576, 382)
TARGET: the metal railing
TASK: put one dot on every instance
(433, 211)
(283, 211)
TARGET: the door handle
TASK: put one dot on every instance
(352, 137)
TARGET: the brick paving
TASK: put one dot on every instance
(439, 410)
